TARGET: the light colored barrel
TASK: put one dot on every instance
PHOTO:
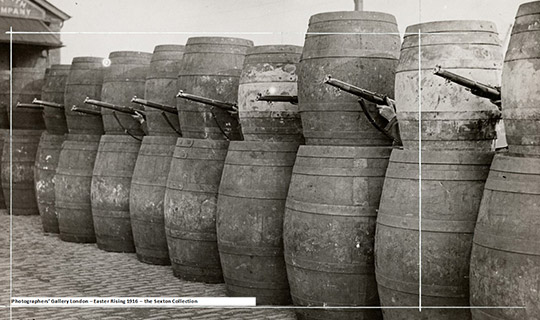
(329, 228)
(211, 68)
(146, 199)
(53, 90)
(85, 80)
(111, 182)
(47, 158)
(161, 87)
(521, 82)
(72, 187)
(358, 47)
(269, 70)
(452, 118)
(251, 205)
(190, 209)
(505, 259)
(27, 84)
(452, 185)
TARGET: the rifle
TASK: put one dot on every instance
(155, 105)
(230, 107)
(129, 110)
(86, 111)
(277, 98)
(28, 106)
(357, 91)
(478, 89)
(48, 104)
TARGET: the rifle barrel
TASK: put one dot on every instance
(106, 105)
(28, 106)
(87, 111)
(211, 102)
(277, 98)
(476, 88)
(48, 104)
(357, 91)
(155, 105)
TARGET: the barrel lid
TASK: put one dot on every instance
(278, 48)
(220, 40)
(451, 26)
(169, 47)
(528, 8)
(352, 15)
(87, 59)
(443, 157)
(130, 54)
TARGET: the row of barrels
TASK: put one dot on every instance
(264, 217)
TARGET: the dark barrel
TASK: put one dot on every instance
(72, 187)
(269, 70)
(111, 182)
(331, 47)
(85, 80)
(211, 68)
(452, 117)
(520, 78)
(505, 258)
(251, 205)
(47, 157)
(3, 136)
(146, 197)
(451, 186)
(123, 79)
(27, 84)
(161, 87)
(4, 99)
(190, 209)
(53, 91)
(23, 151)
(329, 227)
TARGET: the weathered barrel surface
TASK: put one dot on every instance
(4, 99)
(85, 80)
(368, 60)
(269, 70)
(452, 186)
(72, 187)
(452, 118)
(251, 205)
(161, 87)
(329, 227)
(520, 82)
(505, 259)
(47, 157)
(147, 196)
(111, 182)
(23, 152)
(190, 209)
(3, 136)
(211, 68)
(53, 91)
(123, 79)
(27, 84)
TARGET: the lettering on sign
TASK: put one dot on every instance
(21, 9)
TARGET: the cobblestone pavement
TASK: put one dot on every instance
(45, 266)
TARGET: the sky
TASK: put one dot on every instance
(263, 21)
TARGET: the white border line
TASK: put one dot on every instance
(10, 212)
(419, 171)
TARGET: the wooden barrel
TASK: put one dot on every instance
(452, 118)
(161, 87)
(123, 79)
(190, 209)
(505, 258)
(452, 186)
(520, 99)
(211, 68)
(111, 182)
(27, 84)
(329, 227)
(146, 199)
(4, 135)
(53, 91)
(269, 70)
(84, 80)
(72, 187)
(47, 157)
(23, 152)
(4, 99)
(251, 204)
(334, 117)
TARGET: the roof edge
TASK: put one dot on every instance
(53, 9)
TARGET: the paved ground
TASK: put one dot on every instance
(43, 265)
